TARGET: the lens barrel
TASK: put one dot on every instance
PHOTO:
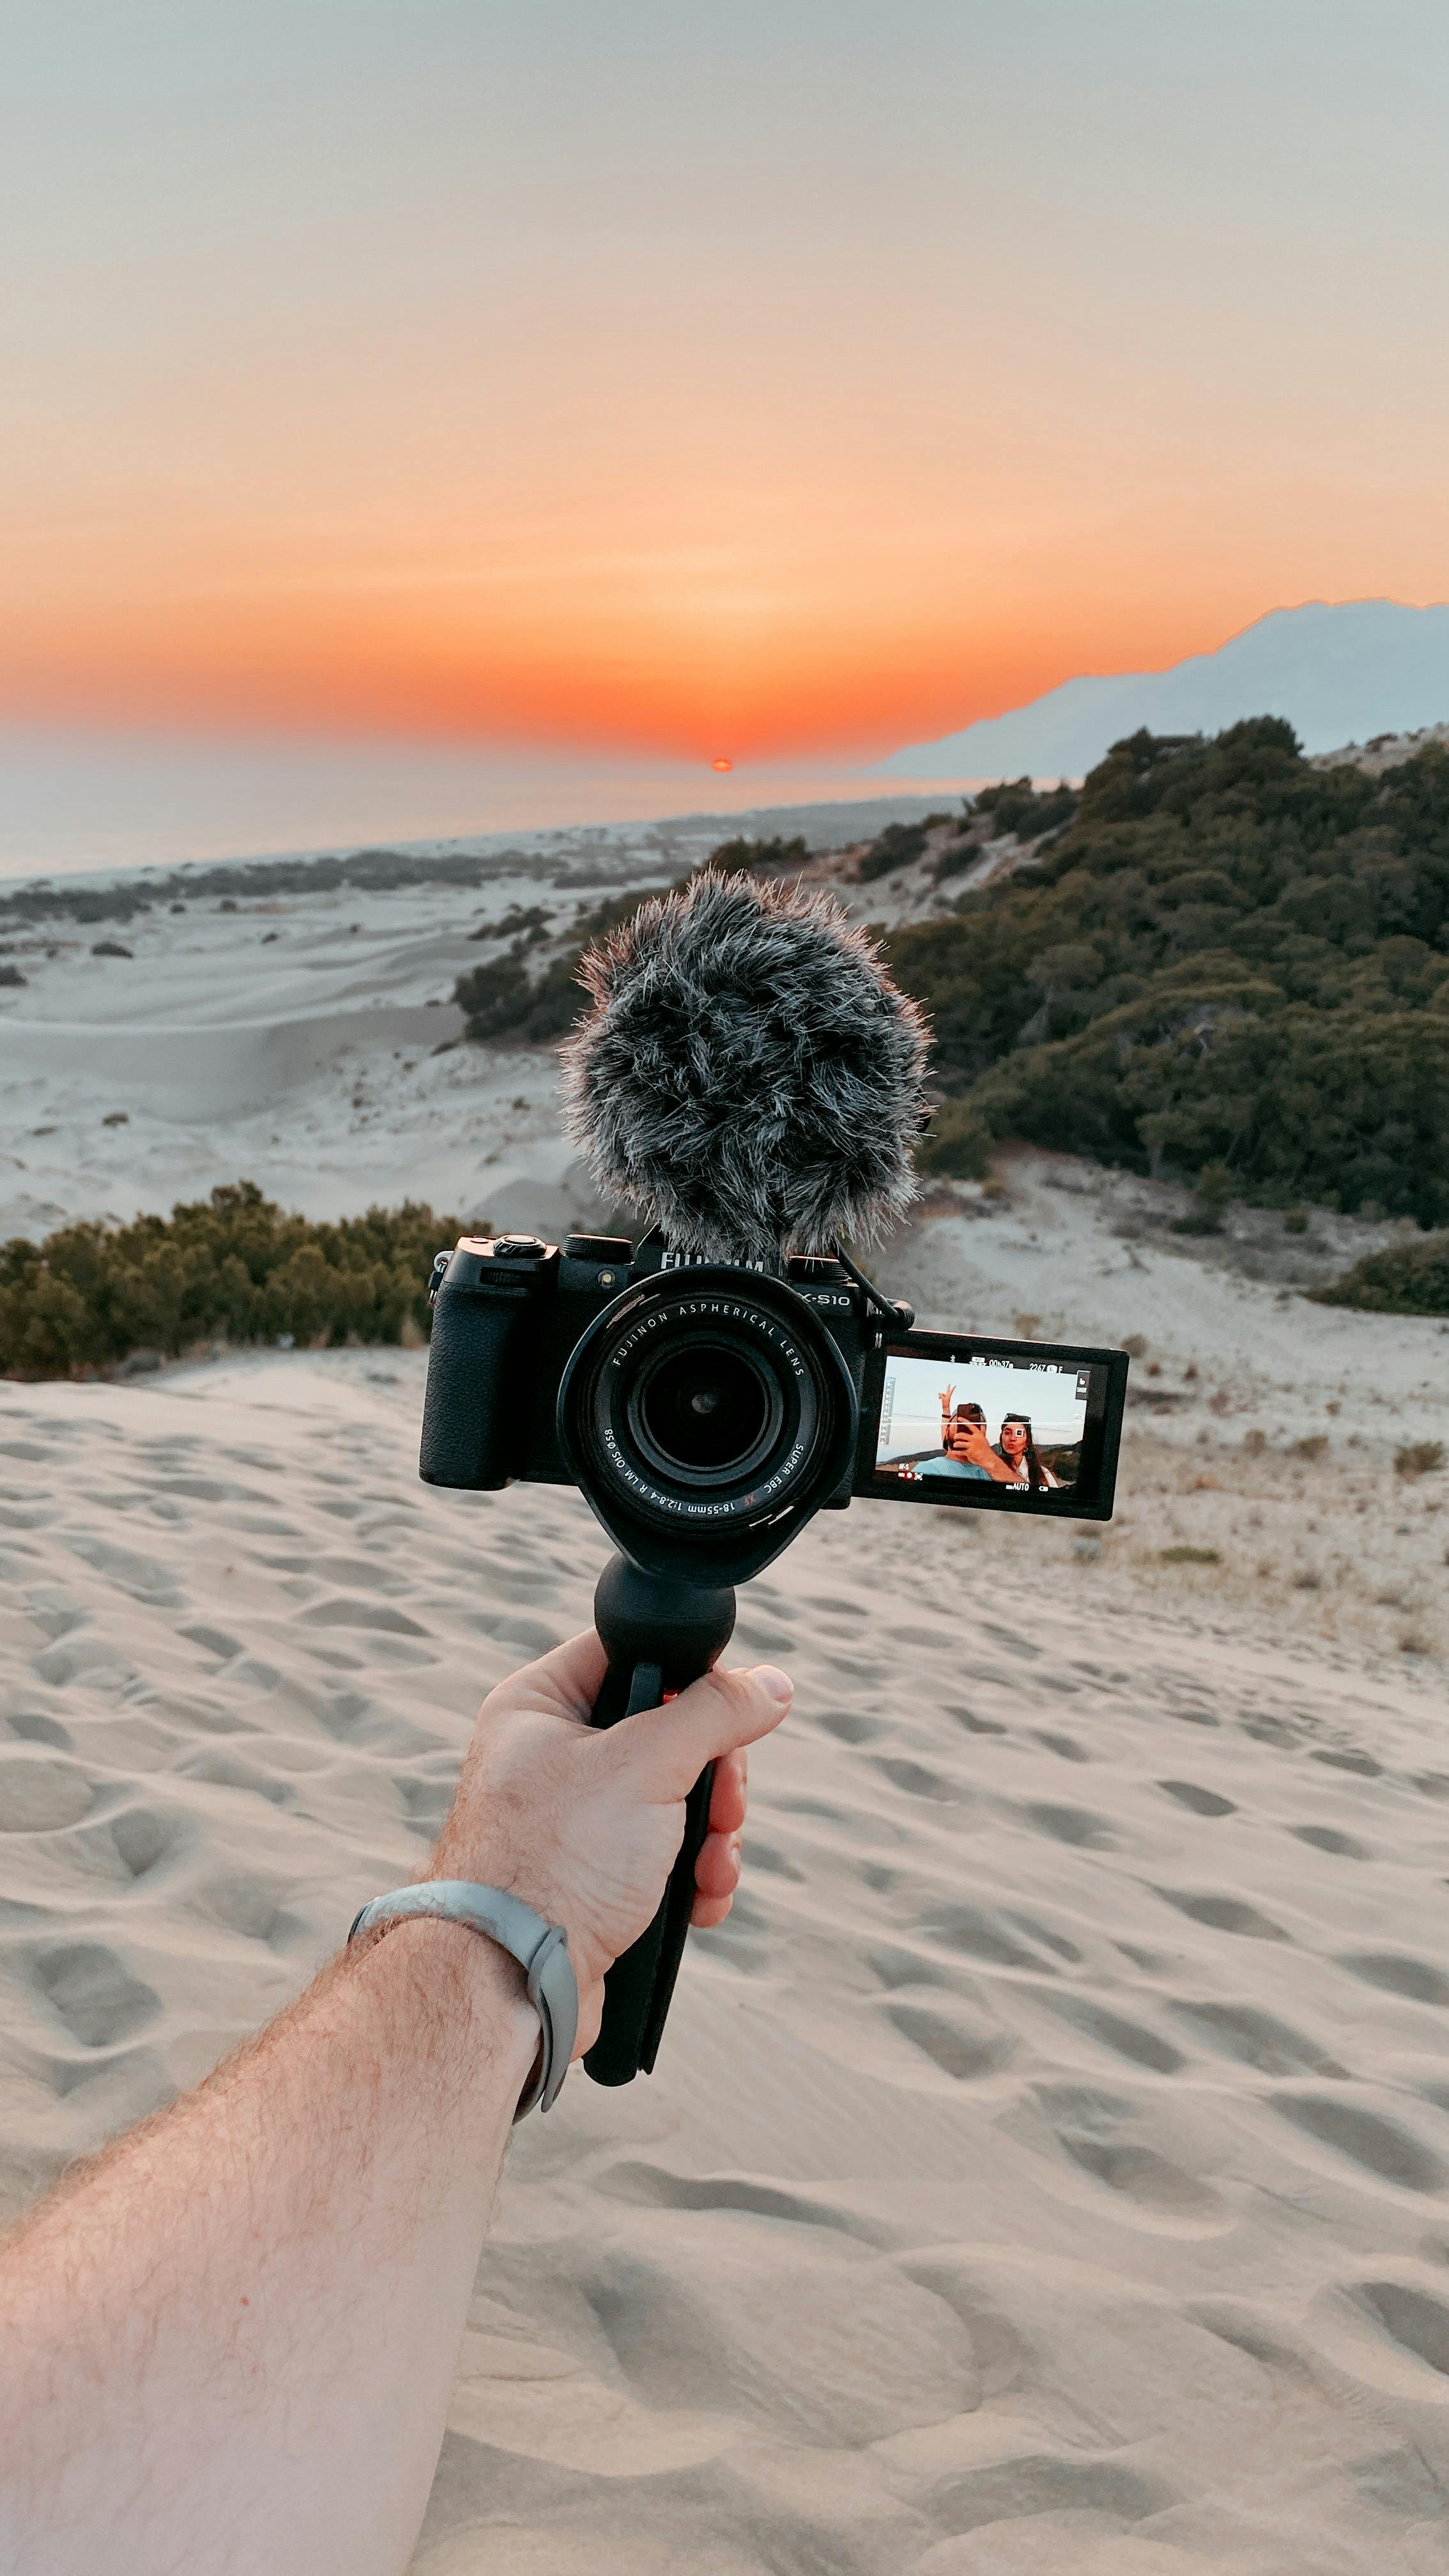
(705, 1404)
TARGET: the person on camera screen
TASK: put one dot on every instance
(965, 1449)
(1016, 1448)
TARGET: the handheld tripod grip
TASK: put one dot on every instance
(659, 1636)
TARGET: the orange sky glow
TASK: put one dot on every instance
(806, 399)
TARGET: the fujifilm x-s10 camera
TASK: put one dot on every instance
(707, 1410)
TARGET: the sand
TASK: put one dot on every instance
(1045, 2166)
(308, 1041)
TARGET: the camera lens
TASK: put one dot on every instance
(705, 1410)
(706, 1406)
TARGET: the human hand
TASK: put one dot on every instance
(970, 1442)
(584, 1824)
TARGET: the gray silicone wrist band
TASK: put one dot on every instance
(541, 1949)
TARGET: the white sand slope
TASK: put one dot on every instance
(1046, 2165)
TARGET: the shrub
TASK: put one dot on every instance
(1419, 1458)
(956, 857)
(1403, 1279)
(1224, 957)
(233, 1266)
(1189, 1556)
(1015, 806)
(12, 975)
(501, 1002)
(958, 1146)
(893, 848)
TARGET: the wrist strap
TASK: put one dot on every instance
(541, 1949)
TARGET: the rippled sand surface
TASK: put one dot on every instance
(1046, 2165)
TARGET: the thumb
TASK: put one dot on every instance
(718, 1713)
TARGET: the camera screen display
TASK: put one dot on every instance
(996, 1424)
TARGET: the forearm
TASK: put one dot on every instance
(230, 2345)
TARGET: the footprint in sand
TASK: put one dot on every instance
(1113, 2031)
(1398, 1975)
(1361, 1763)
(1075, 1825)
(1326, 1838)
(1201, 1802)
(1065, 1746)
(963, 2052)
(40, 1793)
(1224, 1914)
(1255, 2039)
(144, 1836)
(653, 2187)
(978, 1935)
(1410, 2318)
(1033, 2484)
(849, 1727)
(1376, 2144)
(916, 1780)
(92, 1991)
(1090, 2127)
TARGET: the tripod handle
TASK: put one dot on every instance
(659, 1637)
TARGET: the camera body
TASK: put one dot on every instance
(708, 1410)
(702, 1407)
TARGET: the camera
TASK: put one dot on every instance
(708, 1410)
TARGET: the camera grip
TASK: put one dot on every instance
(659, 1637)
(477, 1362)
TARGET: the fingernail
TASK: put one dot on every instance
(775, 1684)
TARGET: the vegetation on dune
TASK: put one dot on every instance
(1227, 959)
(895, 847)
(957, 1145)
(1404, 1279)
(1015, 805)
(233, 1266)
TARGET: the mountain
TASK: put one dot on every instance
(1339, 673)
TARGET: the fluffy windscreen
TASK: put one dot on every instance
(750, 1078)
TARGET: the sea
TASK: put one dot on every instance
(91, 802)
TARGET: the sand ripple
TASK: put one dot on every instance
(1046, 2165)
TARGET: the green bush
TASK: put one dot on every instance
(1225, 957)
(1403, 1279)
(1015, 806)
(233, 1267)
(501, 1002)
(958, 1146)
(892, 848)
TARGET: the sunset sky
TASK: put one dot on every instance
(703, 378)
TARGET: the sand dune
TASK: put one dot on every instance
(1046, 2164)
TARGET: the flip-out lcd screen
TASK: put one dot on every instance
(1021, 1425)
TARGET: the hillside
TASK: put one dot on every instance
(1338, 673)
(1229, 964)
